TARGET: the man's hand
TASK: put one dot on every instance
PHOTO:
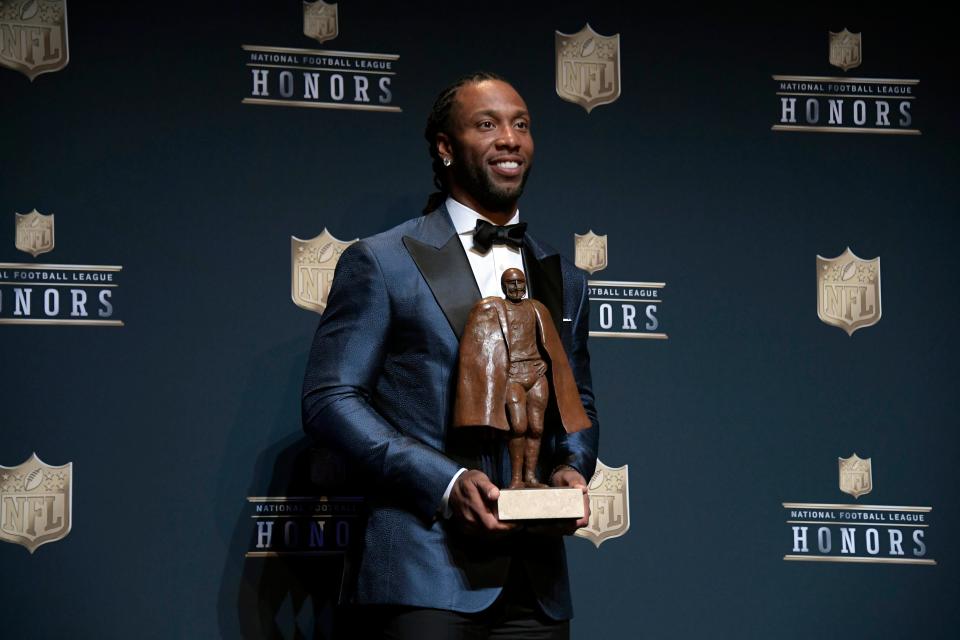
(566, 477)
(473, 502)
(569, 477)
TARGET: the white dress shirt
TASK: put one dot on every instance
(487, 269)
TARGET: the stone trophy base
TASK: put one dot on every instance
(540, 504)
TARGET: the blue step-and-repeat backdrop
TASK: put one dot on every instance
(766, 206)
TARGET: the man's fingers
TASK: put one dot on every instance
(468, 486)
(492, 524)
(476, 503)
(478, 514)
(486, 488)
(582, 522)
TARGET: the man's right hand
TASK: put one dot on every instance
(473, 503)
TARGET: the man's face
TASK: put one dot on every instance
(490, 144)
(514, 285)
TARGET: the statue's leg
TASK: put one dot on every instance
(536, 407)
(517, 413)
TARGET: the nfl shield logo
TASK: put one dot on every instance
(588, 67)
(33, 36)
(35, 502)
(591, 251)
(848, 291)
(856, 475)
(35, 233)
(609, 504)
(320, 21)
(846, 49)
(312, 264)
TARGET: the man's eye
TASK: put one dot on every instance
(522, 124)
(486, 124)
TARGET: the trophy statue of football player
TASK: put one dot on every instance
(510, 359)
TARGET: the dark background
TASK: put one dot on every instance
(143, 150)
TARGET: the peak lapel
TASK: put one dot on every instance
(544, 280)
(438, 254)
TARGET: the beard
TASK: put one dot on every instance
(494, 197)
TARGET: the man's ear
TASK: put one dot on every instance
(444, 146)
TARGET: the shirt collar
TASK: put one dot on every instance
(465, 219)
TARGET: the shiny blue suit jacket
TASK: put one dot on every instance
(380, 387)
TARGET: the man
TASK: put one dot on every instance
(381, 381)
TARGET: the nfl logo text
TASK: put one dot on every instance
(840, 104)
(296, 77)
(303, 526)
(312, 266)
(55, 294)
(58, 294)
(625, 309)
(35, 502)
(322, 79)
(587, 67)
(33, 36)
(848, 291)
(609, 491)
(858, 533)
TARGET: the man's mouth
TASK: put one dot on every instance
(509, 168)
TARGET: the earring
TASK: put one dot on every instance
(447, 162)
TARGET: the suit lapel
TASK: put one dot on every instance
(439, 256)
(544, 281)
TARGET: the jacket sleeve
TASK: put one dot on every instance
(347, 355)
(579, 450)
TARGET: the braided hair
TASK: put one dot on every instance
(439, 122)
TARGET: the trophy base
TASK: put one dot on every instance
(540, 504)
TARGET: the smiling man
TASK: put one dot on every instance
(489, 135)
(381, 382)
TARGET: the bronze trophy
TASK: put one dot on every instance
(511, 360)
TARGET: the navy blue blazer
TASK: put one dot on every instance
(380, 387)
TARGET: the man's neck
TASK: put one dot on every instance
(499, 216)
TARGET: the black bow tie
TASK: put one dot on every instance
(485, 235)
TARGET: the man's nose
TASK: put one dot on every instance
(508, 139)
